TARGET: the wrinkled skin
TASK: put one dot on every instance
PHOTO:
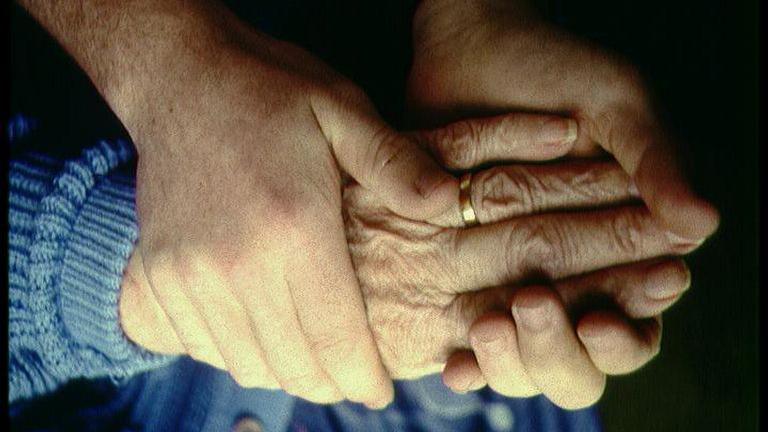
(412, 275)
(243, 143)
(490, 56)
(239, 205)
(479, 56)
(423, 282)
(295, 236)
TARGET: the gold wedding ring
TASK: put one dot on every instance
(465, 201)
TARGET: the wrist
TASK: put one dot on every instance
(155, 96)
(153, 63)
(135, 52)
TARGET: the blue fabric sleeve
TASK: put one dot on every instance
(72, 226)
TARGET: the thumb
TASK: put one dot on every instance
(142, 319)
(647, 155)
(390, 164)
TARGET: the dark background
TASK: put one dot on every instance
(701, 59)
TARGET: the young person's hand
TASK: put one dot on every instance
(475, 56)
(243, 143)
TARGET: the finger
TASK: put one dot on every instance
(332, 313)
(553, 356)
(518, 136)
(142, 319)
(229, 327)
(646, 154)
(287, 351)
(627, 286)
(167, 286)
(615, 345)
(494, 341)
(634, 289)
(554, 246)
(461, 372)
(505, 192)
(640, 290)
(389, 164)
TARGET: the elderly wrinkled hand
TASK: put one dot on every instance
(425, 283)
(434, 291)
(481, 56)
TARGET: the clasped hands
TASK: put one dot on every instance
(292, 238)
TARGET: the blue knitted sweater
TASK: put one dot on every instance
(72, 228)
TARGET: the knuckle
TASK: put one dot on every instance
(284, 209)
(546, 250)
(391, 147)
(291, 217)
(160, 267)
(514, 189)
(198, 263)
(593, 182)
(508, 129)
(516, 251)
(333, 346)
(198, 268)
(626, 230)
(182, 268)
(458, 144)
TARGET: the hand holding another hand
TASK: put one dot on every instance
(488, 56)
(242, 149)
(480, 56)
(247, 216)
(425, 283)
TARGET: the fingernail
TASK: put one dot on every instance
(657, 291)
(488, 339)
(559, 131)
(474, 385)
(688, 278)
(594, 338)
(429, 182)
(460, 387)
(682, 244)
(378, 405)
(659, 286)
(532, 314)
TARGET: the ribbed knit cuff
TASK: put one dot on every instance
(98, 250)
(100, 242)
(72, 229)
